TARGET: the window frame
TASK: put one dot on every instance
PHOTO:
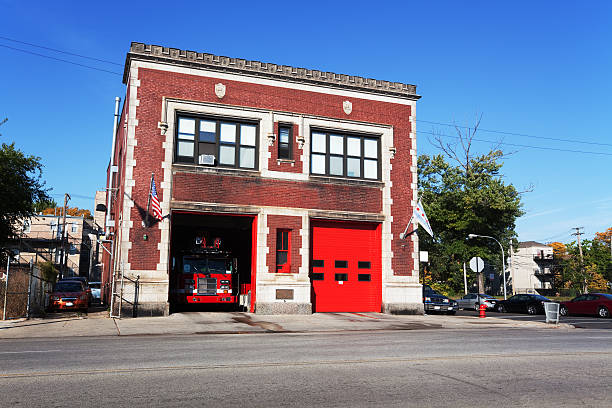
(285, 267)
(345, 155)
(219, 120)
(289, 144)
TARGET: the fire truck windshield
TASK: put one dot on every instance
(206, 266)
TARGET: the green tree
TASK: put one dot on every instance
(467, 197)
(21, 186)
(41, 205)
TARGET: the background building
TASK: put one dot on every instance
(532, 268)
(308, 177)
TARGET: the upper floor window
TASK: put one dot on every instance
(216, 142)
(75, 227)
(284, 141)
(344, 155)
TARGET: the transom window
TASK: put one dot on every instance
(344, 155)
(216, 142)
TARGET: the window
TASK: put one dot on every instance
(364, 277)
(27, 227)
(75, 227)
(285, 137)
(339, 155)
(216, 142)
(283, 261)
(343, 277)
(318, 263)
(341, 264)
(364, 265)
(318, 276)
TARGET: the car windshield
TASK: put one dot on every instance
(486, 296)
(68, 287)
(95, 285)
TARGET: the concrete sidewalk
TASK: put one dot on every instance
(99, 324)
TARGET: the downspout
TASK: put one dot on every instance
(112, 168)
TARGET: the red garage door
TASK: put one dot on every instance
(345, 267)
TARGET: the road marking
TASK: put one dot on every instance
(391, 360)
(29, 351)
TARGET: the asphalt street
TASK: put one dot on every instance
(543, 367)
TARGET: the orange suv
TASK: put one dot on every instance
(69, 295)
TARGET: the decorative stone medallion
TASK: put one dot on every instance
(220, 90)
(348, 107)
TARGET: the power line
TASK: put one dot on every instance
(418, 120)
(519, 145)
(63, 52)
(516, 134)
(60, 59)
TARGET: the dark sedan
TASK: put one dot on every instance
(524, 303)
(598, 304)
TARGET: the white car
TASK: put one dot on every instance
(474, 300)
(95, 290)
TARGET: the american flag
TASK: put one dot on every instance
(155, 201)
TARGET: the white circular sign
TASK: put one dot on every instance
(476, 264)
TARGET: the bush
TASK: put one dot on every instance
(49, 271)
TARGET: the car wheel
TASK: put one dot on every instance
(500, 309)
(603, 312)
(563, 310)
(531, 309)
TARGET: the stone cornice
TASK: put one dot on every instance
(198, 60)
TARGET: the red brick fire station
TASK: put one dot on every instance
(284, 189)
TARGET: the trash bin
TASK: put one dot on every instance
(551, 309)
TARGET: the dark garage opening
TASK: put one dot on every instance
(236, 236)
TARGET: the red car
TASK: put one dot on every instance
(69, 295)
(598, 304)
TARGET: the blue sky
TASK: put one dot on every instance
(532, 68)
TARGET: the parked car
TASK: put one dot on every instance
(69, 295)
(524, 303)
(598, 304)
(474, 300)
(437, 302)
(85, 283)
(95, 291)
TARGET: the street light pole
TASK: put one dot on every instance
(470, 236)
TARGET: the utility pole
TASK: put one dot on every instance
(578, 233)
(63, 242)
(512, 269)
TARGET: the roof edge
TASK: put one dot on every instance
(192, 59)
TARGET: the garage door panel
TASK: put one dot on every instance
(346, 267)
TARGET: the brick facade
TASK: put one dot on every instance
(160, 85)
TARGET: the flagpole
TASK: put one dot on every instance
(405, 233)
(149, 201)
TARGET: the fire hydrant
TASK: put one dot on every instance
(481, 310)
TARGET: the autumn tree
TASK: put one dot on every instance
(73, 211)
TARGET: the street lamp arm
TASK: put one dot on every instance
(503, 270)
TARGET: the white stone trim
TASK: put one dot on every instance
(269, 82)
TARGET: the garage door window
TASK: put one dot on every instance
(341, 155)
(215, 142)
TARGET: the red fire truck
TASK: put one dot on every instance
(205, 274)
